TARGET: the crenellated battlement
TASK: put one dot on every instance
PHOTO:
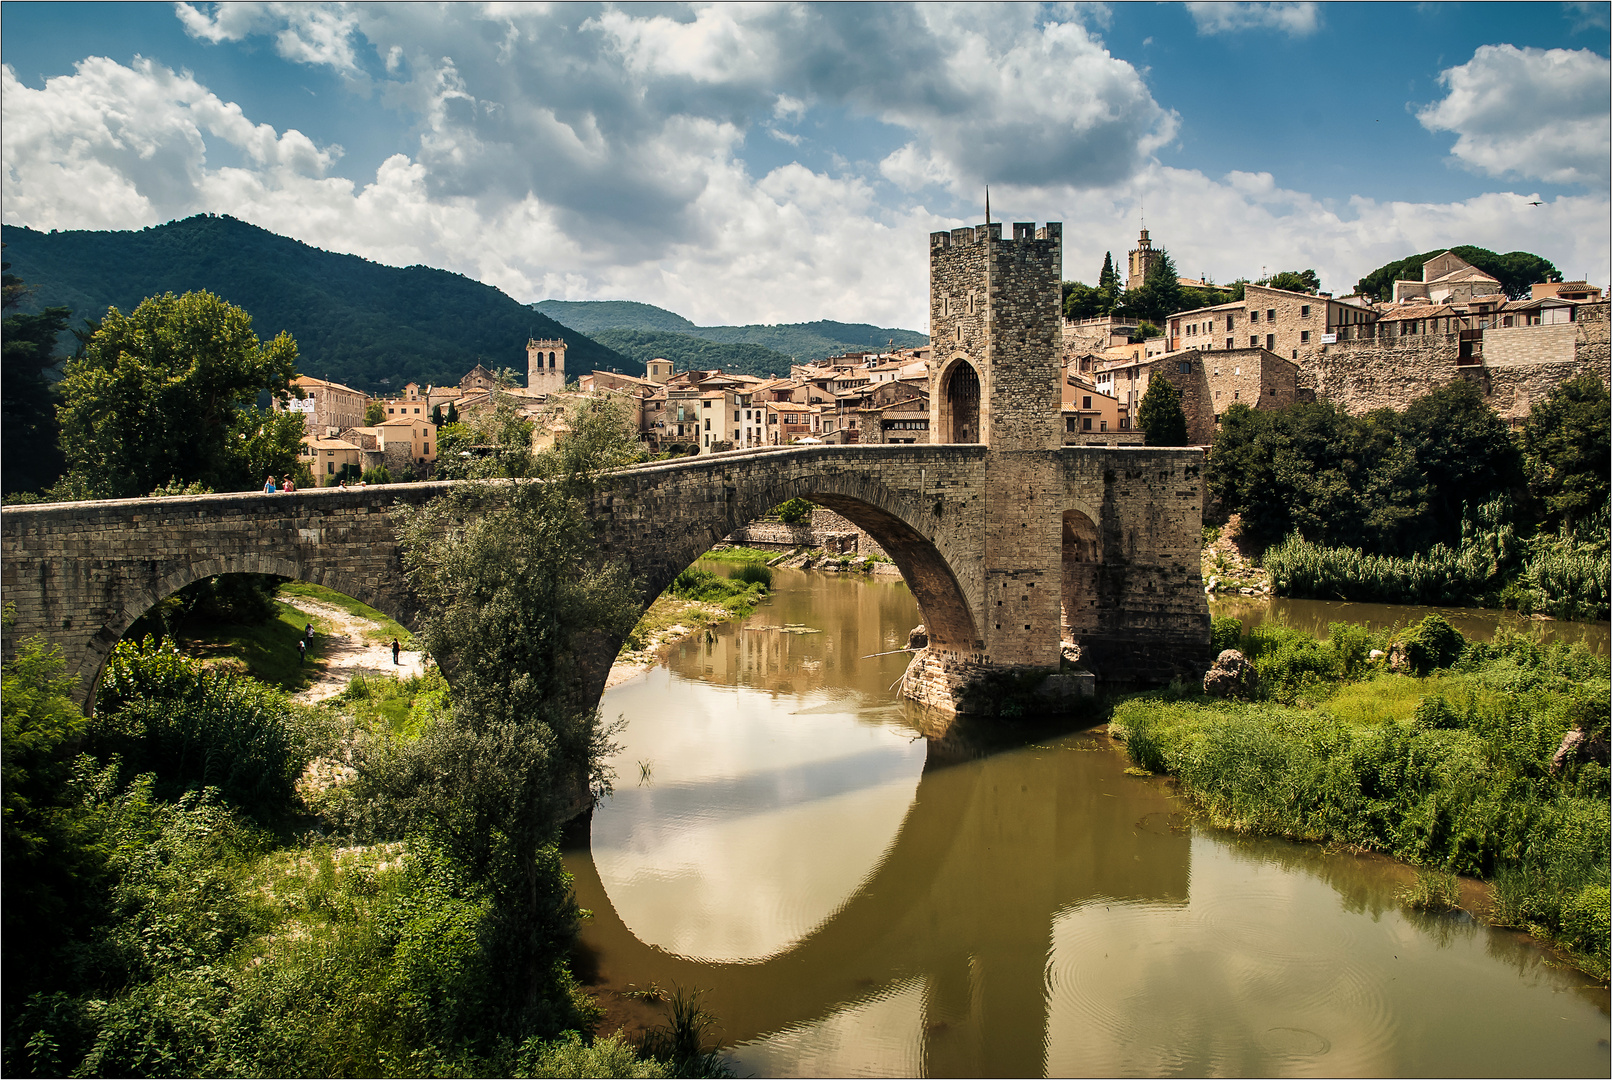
(980, 234)
(545, 343)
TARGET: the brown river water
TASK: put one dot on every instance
(856, 901)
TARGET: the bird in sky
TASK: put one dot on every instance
(1536, 203)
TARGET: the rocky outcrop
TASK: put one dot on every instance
(918, 638)
(1579, 745)
(1232, 676)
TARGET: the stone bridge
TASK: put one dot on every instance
(1117, 540)
(1011, 542)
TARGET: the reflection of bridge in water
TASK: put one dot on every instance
(1024, 835)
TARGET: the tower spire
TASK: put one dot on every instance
(987, 204)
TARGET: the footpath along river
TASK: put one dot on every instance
(855, 900)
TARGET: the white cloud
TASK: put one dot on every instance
(113, 146)
(303, 33)
(1532, 113)
(1243, 222)
(594, 160)
(1294, 19)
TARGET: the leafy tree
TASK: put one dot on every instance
(1515, 270)
(794, 511)
(52, 857)
(521, 609)
(374, 413)
(1160, 414)
(1566, 446)
(1160, 293)
(1464, 451)
(1304, 281)
(29, 457)
(168, 392)
(1081, 301)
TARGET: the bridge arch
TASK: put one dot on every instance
(148, 596)
(908, 529)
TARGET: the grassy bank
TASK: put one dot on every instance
(383, 627)
(697, 599)
(1445, 762)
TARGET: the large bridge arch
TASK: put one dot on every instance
(903, 506)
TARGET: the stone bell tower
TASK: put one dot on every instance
(545, 365)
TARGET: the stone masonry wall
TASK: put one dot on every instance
(826, 530)
(1521, 365)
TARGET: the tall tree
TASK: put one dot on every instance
(168, 392)
(1163, 421)
(1566, 443)
(29, 457)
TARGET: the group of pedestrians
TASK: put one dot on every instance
(303, 643)
(287, 485)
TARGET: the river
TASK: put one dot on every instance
(857, 901)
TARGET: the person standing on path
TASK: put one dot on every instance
(302, 651)
(395, 649)
(310, 633)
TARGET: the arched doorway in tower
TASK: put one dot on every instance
(962, 421)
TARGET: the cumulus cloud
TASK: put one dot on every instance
(303, 33)
(1534, 113)
(1238, 224)
(601, 154)
(113, 146)
(1294, 19)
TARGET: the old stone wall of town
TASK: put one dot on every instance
(1520, 365)
(826, 530)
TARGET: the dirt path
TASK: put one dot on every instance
(345, 651)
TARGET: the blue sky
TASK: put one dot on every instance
(780, 163)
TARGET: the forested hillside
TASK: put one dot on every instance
(370, 326)
(686, 351)
(803, 341)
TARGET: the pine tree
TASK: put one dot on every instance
(1108, 286)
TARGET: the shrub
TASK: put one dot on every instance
(794, 511)
(753, 574)
(1433, 643)
(1225, 632)
(194, 727)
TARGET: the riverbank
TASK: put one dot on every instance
(1445, 753)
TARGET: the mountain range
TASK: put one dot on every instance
(607, 320)
(370, 326)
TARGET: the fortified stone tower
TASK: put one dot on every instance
(545, 365)
(996, 333)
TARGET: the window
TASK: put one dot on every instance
(1304, 337)
(428, 449)
(1304, 311)
(1231, 324)
(1270, 315)
(1253, 341)
(1229, 344)
(707, 424)
(1236, 395)
(1270, 342)
(330, 467)
(1086, 424)
(1124, 423)
(735, 415)
(1069, 423)
(1253, 316)
(1217, 395)
(1102, 425)
(1217, 418)
(1184, 367)
(1085, 402)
